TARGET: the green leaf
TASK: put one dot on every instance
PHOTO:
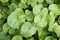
(44, 12)
(4, 1)
(37, 9)
(17, 37)
(40, 1)
(59, 39)
(52, 27)
(29, 15)
(41, 38)
(42, 22)
(50, 38)
(15, 1)
(3, 36)
(54, 7)
(6, 27)
(28, 29)
(42, 33)
(14, 18)
(11, 31)
(32, 2)
(24, 1)
(50, 1)
(2, 33)
(12, 6)
(57, 30)
(0, 16)
(23, 5)
(4, 13)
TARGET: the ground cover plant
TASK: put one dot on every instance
(29, 19)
